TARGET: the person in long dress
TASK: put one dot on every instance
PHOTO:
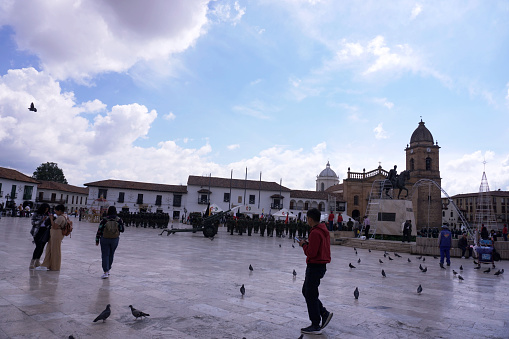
(53, 257)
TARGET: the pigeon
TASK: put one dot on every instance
(250, 267)
(475, 262)
(419, 257)
(356, 293)
(294, 273)
(355, 252)
(380, 261)
(369, 250)
(435, 257)
(359, 261)
(419, 289)
(279, 245)
(104, 314)
(354, 249)
(385, 255)
(493, 266)
(71, 337)
(502, 272)
(423, 259)
(390, 258)
(350, 265)
(242, 289)
(420, 267)
(409, 260)
(425, 269)
(397, 255)
(477, 267)
(293, 246)
(138, 313)
(32, 108)
(461, 268)
(498, 272)
(488, 270)
(460, 277)
(454, 272)
(383, 273)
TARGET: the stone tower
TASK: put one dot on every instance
(326, 179)
(422, 160)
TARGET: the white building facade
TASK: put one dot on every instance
(55, 193)
(16, 189)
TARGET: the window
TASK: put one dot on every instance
(428, 164)
(102, 193)
(322, 187)
(121, 197)
(67, 199)
(452, 214)
(176, 215)
(13, 192)
(53, 197)
(204, 199)
(386, 216)
(139, 201)
(356, 200)
(276, 203)
(412, 164)
(27, 193)
(252, 199)
(81, 200)
(73, 199)
(306, 206)
(177, 200)
(443, 214)
(292, 203)
(239, 199)
(159, 198)
(226, 197)
(41, 196)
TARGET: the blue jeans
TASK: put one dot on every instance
(108, 247)
(314, 272)
(445, 251)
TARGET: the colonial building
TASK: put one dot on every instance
(54, 193)
(16, 188)
(131, 196)
(253, 196)
(422, 160)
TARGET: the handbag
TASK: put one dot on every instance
(45, 237)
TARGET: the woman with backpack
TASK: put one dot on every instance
(108, 234)
(40, 231)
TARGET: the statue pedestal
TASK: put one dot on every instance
(392, 214)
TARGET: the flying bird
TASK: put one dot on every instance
(359, 261)
(138, 313)
(419, 289)
(380, 261)
(460, 277)
(409, 260)
(250, 267)
(356, 293)
(32, 108)
(383, 273)
(350, 265)
(461, 268)
(104, 314)
(242, 289)
(488, 270)
(294, 273)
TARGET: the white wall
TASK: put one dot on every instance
(79, 201)
(20, 188)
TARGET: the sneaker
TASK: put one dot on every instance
(326, 317)
(463, 257)
(105, 275)
(41, 268)
(311, 330)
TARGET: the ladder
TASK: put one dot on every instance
(373, 207)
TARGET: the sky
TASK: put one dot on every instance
(157, 91)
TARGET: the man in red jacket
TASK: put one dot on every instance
(317, 250)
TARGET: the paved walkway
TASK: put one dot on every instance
(190, 286)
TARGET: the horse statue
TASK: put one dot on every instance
(397, 181)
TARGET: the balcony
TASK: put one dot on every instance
(276, 206)
(203, 201)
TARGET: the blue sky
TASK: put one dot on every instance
(157, 92)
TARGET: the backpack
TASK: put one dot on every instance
(111, 230)
(67, 228)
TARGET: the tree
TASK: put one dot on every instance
(50, 172)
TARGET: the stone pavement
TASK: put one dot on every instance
(190, 286)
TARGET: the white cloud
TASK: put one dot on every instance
(233, 147)
(416, 11)
(226, 12)
(380, 133)
(170, 116)
(93, 106)
(384, 102)
(78, 39)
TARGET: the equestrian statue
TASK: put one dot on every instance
(396, 181)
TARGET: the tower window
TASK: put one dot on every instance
(412, 164)
(322, 187)
(356, 200)
(428, 164)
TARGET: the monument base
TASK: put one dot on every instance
(392, 214)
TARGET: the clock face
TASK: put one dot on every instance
(428, 149)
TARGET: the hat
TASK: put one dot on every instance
(445, 225)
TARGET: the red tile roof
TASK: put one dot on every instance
(235, 183)
(56, 186)
(8, 173)
(142, 186)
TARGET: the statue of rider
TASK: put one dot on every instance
(391, 177)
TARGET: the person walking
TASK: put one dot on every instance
(108, 235)
(445, 242)
(53, 256)
(331, 220)
(317, 251)
(367, 226)
(504, 232)
(41, 226)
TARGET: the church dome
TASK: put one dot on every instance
(421, 134)
(327, 172)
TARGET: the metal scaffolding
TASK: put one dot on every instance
(484, 214)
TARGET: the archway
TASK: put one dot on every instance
(356, 214)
